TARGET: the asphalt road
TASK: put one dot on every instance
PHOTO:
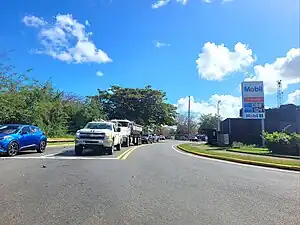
(154, 185)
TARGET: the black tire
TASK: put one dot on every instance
(127, 143)
(12, 149)
(110, 150)
(119, 146)
(78, 150)
(42, 146)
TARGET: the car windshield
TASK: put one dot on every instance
(10, 129)
(98, 126)
(123, 124)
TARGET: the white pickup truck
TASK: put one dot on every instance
(101, 136)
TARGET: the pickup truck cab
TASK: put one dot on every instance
(103, 136)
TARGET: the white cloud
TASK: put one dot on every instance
(210, 1)
(229, 106)
(33, 21)
(87, 23)
(183, 2)
(160, 3)
(216, 61)
(285, 68)
(99, 74)
(159, 44)
(67, 40)
(294, 97)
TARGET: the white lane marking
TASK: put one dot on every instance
(55, 157)
(235, 163)
(49, 155)
(22, 157)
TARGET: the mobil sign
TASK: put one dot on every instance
(253, 100)
(253, 89)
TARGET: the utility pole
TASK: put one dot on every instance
(189, 116)
(218, 114)
(279, 93)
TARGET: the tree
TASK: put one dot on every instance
(145, 106)
(208, 121)
(182, 125)
(168, 131)
(25, 100)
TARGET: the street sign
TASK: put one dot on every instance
(253, 100)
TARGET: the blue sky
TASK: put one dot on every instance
(134, 43)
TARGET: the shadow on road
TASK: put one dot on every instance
(86, 152)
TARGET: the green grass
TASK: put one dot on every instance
(251, 159)
(251, 150)
(60, 143)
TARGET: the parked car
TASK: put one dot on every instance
(17, 137)
(202, 138)
(155, 138)
(147, 139)
(162, 137)
(194, 138)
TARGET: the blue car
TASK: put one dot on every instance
(17, 137)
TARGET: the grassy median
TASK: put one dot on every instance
(207, 151)
(60, 141)
(261, 151)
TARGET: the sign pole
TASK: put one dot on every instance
(262, 132)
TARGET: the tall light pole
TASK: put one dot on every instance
(189, 116)
(218, 114)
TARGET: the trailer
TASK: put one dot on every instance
(130, 131)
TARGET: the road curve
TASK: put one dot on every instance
(154, 185)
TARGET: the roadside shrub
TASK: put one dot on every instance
(237, 144)
(283, 143)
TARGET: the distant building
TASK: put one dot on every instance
(287, 118)
(241, 130)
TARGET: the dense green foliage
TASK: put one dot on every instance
(145, 106)
(283, 143)
(27, 101)
(24, 100)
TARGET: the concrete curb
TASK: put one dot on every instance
(277, 166)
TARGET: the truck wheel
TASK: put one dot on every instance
(136, 141)
(119, 146)
(78, 150)
(110, 150)
(127, 142)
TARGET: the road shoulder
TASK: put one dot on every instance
(195, 151)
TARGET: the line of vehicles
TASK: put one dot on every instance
(104, 136)
(108, 136)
